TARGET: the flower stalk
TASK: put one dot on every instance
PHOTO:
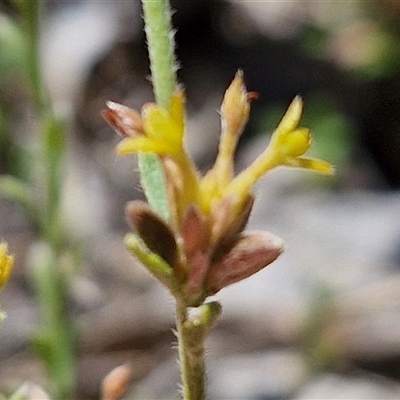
(161, 47)
(160, 39)
(191, 358)
(202, 247)
(199, 245)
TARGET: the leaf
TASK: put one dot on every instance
(54, 149)
(225, 232)
(250, 253)
(153, 262)
(16, 190)
(154, 232)
(13, 60)
(152, 178)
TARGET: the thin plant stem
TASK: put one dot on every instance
(157, 18)
(158, 28)
(30, 13)
(160, 40)
(191, 357)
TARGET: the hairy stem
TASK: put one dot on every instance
(157, 18)
(158, 28)
(191, 357)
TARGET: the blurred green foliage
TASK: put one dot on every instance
(360, 37)
(33, 147)
(13, 50)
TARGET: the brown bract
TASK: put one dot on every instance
(203, 264)
(202, 247)
(124, 120)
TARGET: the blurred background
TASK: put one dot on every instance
(323, 321)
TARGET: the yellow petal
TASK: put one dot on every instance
(291, 144)
(313, 164)
(157, 122)
(144, 145)
(177, 111)
(235, 110)
(291, 119)
(235, 106)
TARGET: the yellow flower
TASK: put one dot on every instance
(288, 143)
(202, 248)
(6, 265)
(162, 131)
(235, 111)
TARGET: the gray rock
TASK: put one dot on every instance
(365, 386)
(271, 374)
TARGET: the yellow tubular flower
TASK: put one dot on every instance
(235, 111)
(6, 265)
(162, 131)
(203, 247)
(287, 144)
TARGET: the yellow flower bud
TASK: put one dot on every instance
(125, 121)
(235, 107)
(291, 119)
(292, 144)
(161, 130)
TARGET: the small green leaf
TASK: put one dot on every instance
(15, 189)
(153, 262)
(19, 191)
(13, 60)
(153, 183)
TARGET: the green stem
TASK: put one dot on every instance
(55, 340)
(157, 17)
(158, 28)
(30, 13)
(191, 357)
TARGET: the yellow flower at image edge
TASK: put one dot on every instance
(6, 264)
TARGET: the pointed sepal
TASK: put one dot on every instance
(154, 232)
(152, 261)
(249, 254)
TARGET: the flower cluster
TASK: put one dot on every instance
(203, 247)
